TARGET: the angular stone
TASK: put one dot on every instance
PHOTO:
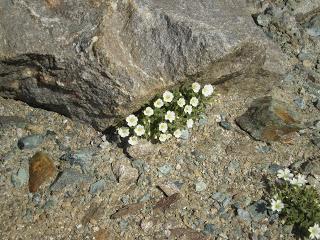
(41, 168)
(19, 179)
(165, 203)
(30, 142)
(121, 53)
(269, 119)
(69, 177)
(143, 149)
(125, 172)
(127, 210)
(169, 188)
(187, 234)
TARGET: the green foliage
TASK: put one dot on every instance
(301, 205)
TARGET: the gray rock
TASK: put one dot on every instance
(200, 186)
(185, 134)
(226, 125)
(274, 168)
(313, 28)
(123, 224)
(300, 102)
(121, 53)
(21, 178)
(269, 119)
(263, 149)
(222, 198)
(165, 169)
(12, 121)
(264, 20)
(124, 172)
(36, 199)
(69, 177)
(80, 157)
(97, 186)
(258, 210)
(244, 215)
(210, 229)
(141, 165)
(30, 142)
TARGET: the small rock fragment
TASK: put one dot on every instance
(80, 157)
(169, 188)
(165, 169)
(41, 168)
(146, 225)
(166, 202)
(187, 234)
(30, 142)
(143, 149)
(124, 172)
(69, 177)
(269, 119)
(21, 178)
(244, 215)
(258, 210)
(97, 186)
(200, 186)
(127, 210)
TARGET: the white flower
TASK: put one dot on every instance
(314, 231)
(163, 137)
(177, 133)
(158, 103)
(139, 130)
(196, 87)
(167, 96)
(189, 123)
(194, 101)
(170, 116)
(133, 140)
(285, 174)
(181, 102)
(207, 90)
(277, 205)
(148, 111)
(188, 109)
(123, 132)
(132, 120)
(163, 127)
(299, 181)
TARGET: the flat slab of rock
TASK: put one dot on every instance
(269, 119)
(97, 61)
(41, 168)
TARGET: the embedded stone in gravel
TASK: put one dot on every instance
(69, 177)
(124, 172)
(19, 179)
(187, 234)
(30, 142)
(169, 188)
(127, 210)
(97, 186)
(166, 202)
(12, 121)
(200, 186)
(269, 119)
(41, 168)
(143, 149)
(80, 157)
(244, 215)
(258, 210)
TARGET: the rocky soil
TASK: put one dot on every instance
(61, 179)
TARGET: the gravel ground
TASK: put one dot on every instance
(207, 186)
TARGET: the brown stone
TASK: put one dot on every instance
(166, 202)
(187, 234)
(41, 168)
(127, 210)
(102, 234)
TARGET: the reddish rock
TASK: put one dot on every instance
(127, 210)
(166, 202)
(41, 168)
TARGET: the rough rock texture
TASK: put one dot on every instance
(269, 119)
(99, 60)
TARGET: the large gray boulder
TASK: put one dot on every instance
(98, 60)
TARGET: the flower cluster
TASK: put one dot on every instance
(297, 203)
(168, 115)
